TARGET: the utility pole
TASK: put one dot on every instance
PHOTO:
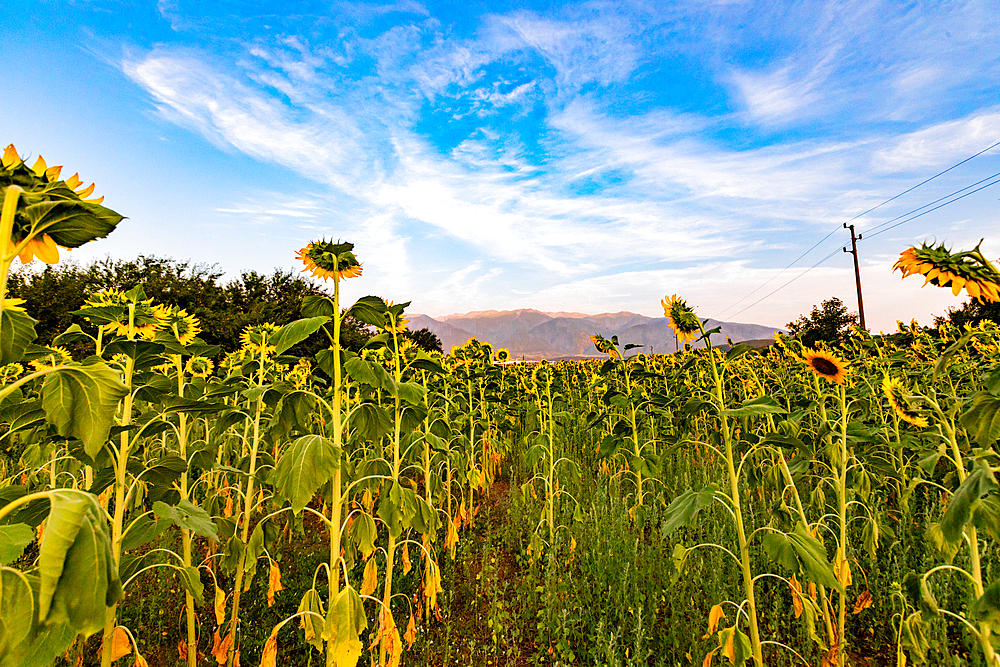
(857, 273)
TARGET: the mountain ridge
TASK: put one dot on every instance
(533, 334)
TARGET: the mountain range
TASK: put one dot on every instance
(533, 335)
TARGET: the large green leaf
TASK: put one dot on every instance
(295, 332)
(187, 516)
(368, 310)
(16, 614)
(369, 373)
(964, 502)
(13, 540)
(17, 330)
(81, 400)
(311, 608)
(761, 405)
(987, 608)
(686, 506)
(318, 305)
(364, 532)
(79, 580)
(307, 464)
(371, 422)
(71, 223)
(802, 553)
(982, 419)
(191, 581)
(411, 392)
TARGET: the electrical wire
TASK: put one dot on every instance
(882, 231)
(769, 294)
(868, 234)
(838, 227)
(876, 228)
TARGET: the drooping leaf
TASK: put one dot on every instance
(964, 502)
(313, 619)
(761, 405)
(306, 465)
(191, 581)
(81, 400)
(987, 608)
(802, 553)
(344, 623)
(16, 611)
(188, 516)
(17, 331)
(686, 506)
(982, 419)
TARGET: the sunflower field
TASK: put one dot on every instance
(167, 502)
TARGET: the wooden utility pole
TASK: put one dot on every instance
(857, 273)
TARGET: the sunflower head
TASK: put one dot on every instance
(898, 398)
(299, 375)
(605, 346)
(680, 318)
(80, 219)
(9, 372)
(199, 367)
(53, 356)
(941, 267)
(503, 355)
(255, 339)
(128, 314)
(178, 325)
(826, 365)
(326, 259)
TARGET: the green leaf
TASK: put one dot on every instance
(411, 392)
(79, 580)
(191, 581)
(17, 331)
(802, 553)
(364, 533)
(945, 358)
(187, 516)
(142, 531)
(307, 464)
(914, 637)
(311, 608)
(17, 611)
(370, 373)
(371, 422)
(987, 608)
(761, 405)
(686, 506)
(13, 540)
(81, 401)
(368, 310)
(72, 222)
(964, 501)
(318, 305)
(295, 332)
(982, 419)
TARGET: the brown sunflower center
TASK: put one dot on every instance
(824, 366)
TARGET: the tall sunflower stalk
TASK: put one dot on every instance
(686, 324)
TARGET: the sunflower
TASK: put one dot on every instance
(255, 338)
(9, 372)
(897, 395)
(826, 365)
(41, 184)
(179, 323)
(939, 266)
(299, 375)
(199, 367)
(325, 259)
(55, 356)
(110, 311)
(12, 304)
(503, 355)
(680, 318)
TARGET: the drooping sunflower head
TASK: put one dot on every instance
(178, 324)
(299, 374)
(680, 318)
(605, 346)
(128, 314)
(80, 219)
(941, 267)
(826, 365)
(199, 367)
(326, 259)
(898, 398)
(255, 339)
(54, 356)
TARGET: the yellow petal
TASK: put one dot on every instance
(957, 283)
(73, 182)
(95, 200)
(27, 255)
(972, 287)
(83, 194)
(10, 157)
(47, 250)
(40, 166)
(52, 174)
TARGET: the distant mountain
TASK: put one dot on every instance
(535, 335)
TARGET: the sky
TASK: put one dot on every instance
(580, 156)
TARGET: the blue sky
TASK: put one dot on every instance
(586, 157)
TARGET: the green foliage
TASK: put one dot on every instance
(830, 322)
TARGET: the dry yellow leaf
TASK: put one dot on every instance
(269, 657)
(370, 579)
(796, 587)
(220, 606)
(715, 615)
(273, 583)
(121, 645)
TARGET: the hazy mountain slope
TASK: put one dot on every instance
(536, 335)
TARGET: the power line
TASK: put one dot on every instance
(875, 229)
(838, 227)
(786, 284)
(881, 231)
